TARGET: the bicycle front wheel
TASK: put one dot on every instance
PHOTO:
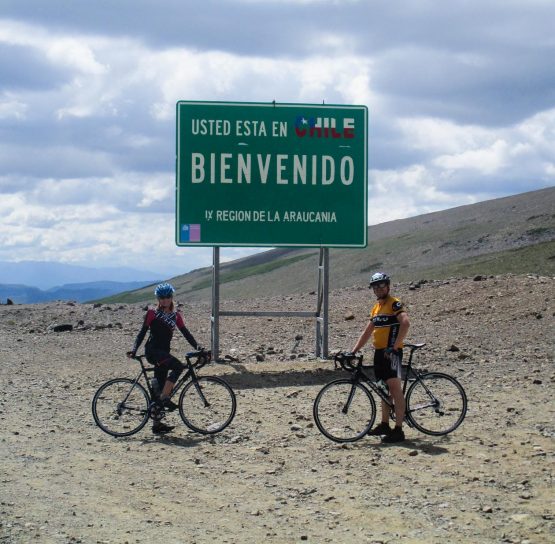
(207, 405)
(344, 411)
(436, 403)
(120, 407)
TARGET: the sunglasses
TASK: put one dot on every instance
(378, 285)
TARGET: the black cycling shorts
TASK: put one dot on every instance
(387, 366)
(164, 362)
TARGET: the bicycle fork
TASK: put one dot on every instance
(345, 408)
(201, 394)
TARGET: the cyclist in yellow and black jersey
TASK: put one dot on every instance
(388, 327)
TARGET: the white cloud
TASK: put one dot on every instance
(395, 194)
(440, 135)
(487, 160)
(504, 152)
(12, 108)
(457, 112)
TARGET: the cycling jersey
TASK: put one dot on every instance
(162, 325)
(386, 325)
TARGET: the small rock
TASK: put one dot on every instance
(62, 328)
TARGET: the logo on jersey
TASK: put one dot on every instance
(397, 305)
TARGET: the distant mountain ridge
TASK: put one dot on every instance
(46, 275)
(78, 292)
(514, 234)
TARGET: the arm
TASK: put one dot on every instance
(142, 333)
(364, 337)
(404, 325)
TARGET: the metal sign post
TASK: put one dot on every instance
(320, 315)
(215, 319)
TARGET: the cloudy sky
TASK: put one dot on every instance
(461, 96)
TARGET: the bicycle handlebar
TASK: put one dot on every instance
(345, 359)
(202, 355)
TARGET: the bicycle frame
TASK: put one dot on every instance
(361, 376)
(190, 374)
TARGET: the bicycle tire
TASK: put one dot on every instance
(120, 407)
(439, 409)
(207, 405)
(341, 422)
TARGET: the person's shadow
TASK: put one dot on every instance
(419, 445)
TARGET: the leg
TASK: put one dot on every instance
(385, 413)
(160, 374)
(380, 372)
(176, 367)
(396, 391)
(393, 380)
(168, 386)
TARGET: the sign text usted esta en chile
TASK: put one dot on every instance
(254, 174)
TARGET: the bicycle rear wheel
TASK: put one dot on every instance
(436, 403)
(120, 407)
(207, 405)
(344, 411)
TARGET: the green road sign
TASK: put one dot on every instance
(253, 174)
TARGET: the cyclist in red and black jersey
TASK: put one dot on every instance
(161, 322)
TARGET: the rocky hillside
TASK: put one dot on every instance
(508, 235)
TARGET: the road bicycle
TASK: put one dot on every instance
(345, 409)
(207, 404)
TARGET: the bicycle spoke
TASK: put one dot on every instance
(436, 404)
(207, 405)
(344, 411)
(120, 407)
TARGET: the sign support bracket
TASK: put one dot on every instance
(321, 315)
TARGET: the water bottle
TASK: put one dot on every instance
(382, 386)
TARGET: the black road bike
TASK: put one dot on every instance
(345, 409)
(207, 404)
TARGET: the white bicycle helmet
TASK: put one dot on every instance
(379, 277)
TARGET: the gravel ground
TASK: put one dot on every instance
(271, 476)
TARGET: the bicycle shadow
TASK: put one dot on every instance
(421, 446)
(172, 440)
(414, 444)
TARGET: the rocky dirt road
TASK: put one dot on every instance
(271, 476)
